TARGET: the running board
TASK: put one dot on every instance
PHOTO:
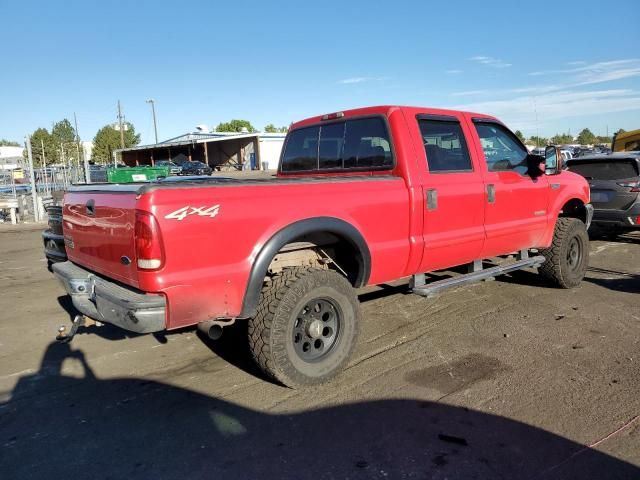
(429, 289)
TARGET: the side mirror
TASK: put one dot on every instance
(552, 161)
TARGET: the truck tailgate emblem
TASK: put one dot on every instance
(183, 212)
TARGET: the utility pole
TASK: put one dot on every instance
(34, 195)
(85, 161)
(153, 111)
(44, 165)
(120, 125)
(535, 109)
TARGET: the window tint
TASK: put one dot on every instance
(366, 144)
(445, 146)
(301, 152)
(352, 144)
(501, 150)
(603, 170)
(331, 140)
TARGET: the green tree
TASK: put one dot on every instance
(8, 143)
(586, 137)
(283, 129)
(538, 141)
(520, 136)
(64, 141)
(107, 140)
(603, 139)
(235, 126)
(43, 148)
(561, 138)
(271, 128)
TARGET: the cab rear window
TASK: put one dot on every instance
(358, 144)
(605, 170)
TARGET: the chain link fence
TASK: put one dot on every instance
(16, 201)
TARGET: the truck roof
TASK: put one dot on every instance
(384, 110)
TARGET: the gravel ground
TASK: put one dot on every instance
(504, 379)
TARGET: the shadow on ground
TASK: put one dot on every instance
(56, 426)
(625, 282)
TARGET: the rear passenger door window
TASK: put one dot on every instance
(445, 146)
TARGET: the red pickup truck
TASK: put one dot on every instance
(361, 197)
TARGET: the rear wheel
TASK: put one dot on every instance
(306, 326)
(567, 258)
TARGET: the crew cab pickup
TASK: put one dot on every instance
(361, 197)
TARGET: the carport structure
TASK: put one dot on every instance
(221, 151)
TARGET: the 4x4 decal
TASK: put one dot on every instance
(183, 212)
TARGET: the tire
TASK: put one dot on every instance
(567, 259)
(306, 326)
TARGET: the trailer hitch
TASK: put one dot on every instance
(64, 336)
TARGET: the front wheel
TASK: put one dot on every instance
(306, 326)
(567, 259)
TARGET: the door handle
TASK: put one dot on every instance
(491, 193)
(432, 199)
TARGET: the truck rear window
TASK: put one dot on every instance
(359, 144)
(605, 170)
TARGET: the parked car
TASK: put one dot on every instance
(195, 168)
(614, 180)
(538, 151)
(351, 206)
(566, 154)
(53, 238)
(173, 168)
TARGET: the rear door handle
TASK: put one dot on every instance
(432, 199)
(491, 193)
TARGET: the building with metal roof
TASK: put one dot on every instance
(220, 150)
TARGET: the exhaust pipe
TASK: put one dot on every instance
(213, 328)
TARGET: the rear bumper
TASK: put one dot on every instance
(618, 218)
(109, 302)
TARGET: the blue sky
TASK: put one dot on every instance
(576, 63)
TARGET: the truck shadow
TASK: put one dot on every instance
(628, 282)
(58, 426)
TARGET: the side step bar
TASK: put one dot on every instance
(429, 289)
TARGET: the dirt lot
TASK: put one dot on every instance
(505, 379)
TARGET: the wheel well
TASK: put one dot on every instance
(342, 243)
(330, 249)
(574, 208)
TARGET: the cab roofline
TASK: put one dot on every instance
(386, 110)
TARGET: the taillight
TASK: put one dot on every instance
(634, 186)
(149, 250)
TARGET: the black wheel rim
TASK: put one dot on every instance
(574, 254)
(316, 329)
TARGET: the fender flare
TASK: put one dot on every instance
(289, 233)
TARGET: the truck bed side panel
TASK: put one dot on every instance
(209, 256)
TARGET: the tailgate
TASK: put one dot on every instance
(99, 232)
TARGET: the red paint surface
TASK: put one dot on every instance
(208, 259)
